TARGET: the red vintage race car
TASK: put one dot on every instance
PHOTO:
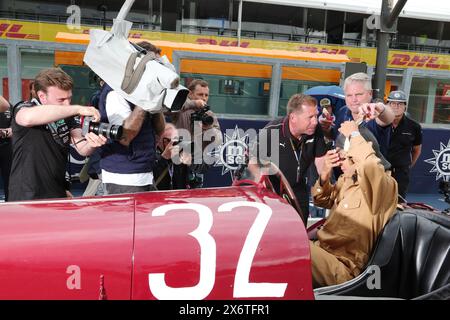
(240, 242)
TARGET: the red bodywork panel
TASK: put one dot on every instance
(59, 249)
(225, 243)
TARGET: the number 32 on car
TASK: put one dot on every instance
(242, 288)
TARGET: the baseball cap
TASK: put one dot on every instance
(398, 96)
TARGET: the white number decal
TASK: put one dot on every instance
(242, 287)
(207, 257)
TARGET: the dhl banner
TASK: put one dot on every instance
(13, 29)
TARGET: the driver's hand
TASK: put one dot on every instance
(331, 160)
(347, 127)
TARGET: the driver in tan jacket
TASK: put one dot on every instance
(361, 202)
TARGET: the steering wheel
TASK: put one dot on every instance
(285, 189)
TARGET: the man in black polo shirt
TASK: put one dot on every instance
(301, 142)
(42, 131)
(406, 143)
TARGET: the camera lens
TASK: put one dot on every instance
(97, 128)
(207, 120)
(113, 132)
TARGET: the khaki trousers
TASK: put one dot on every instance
(327, 270)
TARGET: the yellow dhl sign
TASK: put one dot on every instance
(22, 30)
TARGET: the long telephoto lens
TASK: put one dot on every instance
(113, 132)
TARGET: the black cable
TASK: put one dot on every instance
(84, 139)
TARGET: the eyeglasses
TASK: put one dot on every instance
(397, 104)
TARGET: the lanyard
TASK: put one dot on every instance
(298, 157)
(170, 170)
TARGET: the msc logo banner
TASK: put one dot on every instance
(441, 162)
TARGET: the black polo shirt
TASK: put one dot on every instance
(307, 149)
(40, 155)
(403, 138)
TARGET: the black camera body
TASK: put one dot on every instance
(3, 134)
(194, 180)
(113, 132)
(201, 115)
(185, 146)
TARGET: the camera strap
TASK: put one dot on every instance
(133, 76)
(60, 132)
(161, 176)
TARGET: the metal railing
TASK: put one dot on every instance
(399, 45)
(309, 38)
(224, 32)
(63, 18)
(252, 34)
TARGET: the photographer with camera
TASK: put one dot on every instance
(42, 130)
(172, 160)
(5, 143)
(127, 164)
(196, 117)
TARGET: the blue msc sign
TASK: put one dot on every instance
(441, 162)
